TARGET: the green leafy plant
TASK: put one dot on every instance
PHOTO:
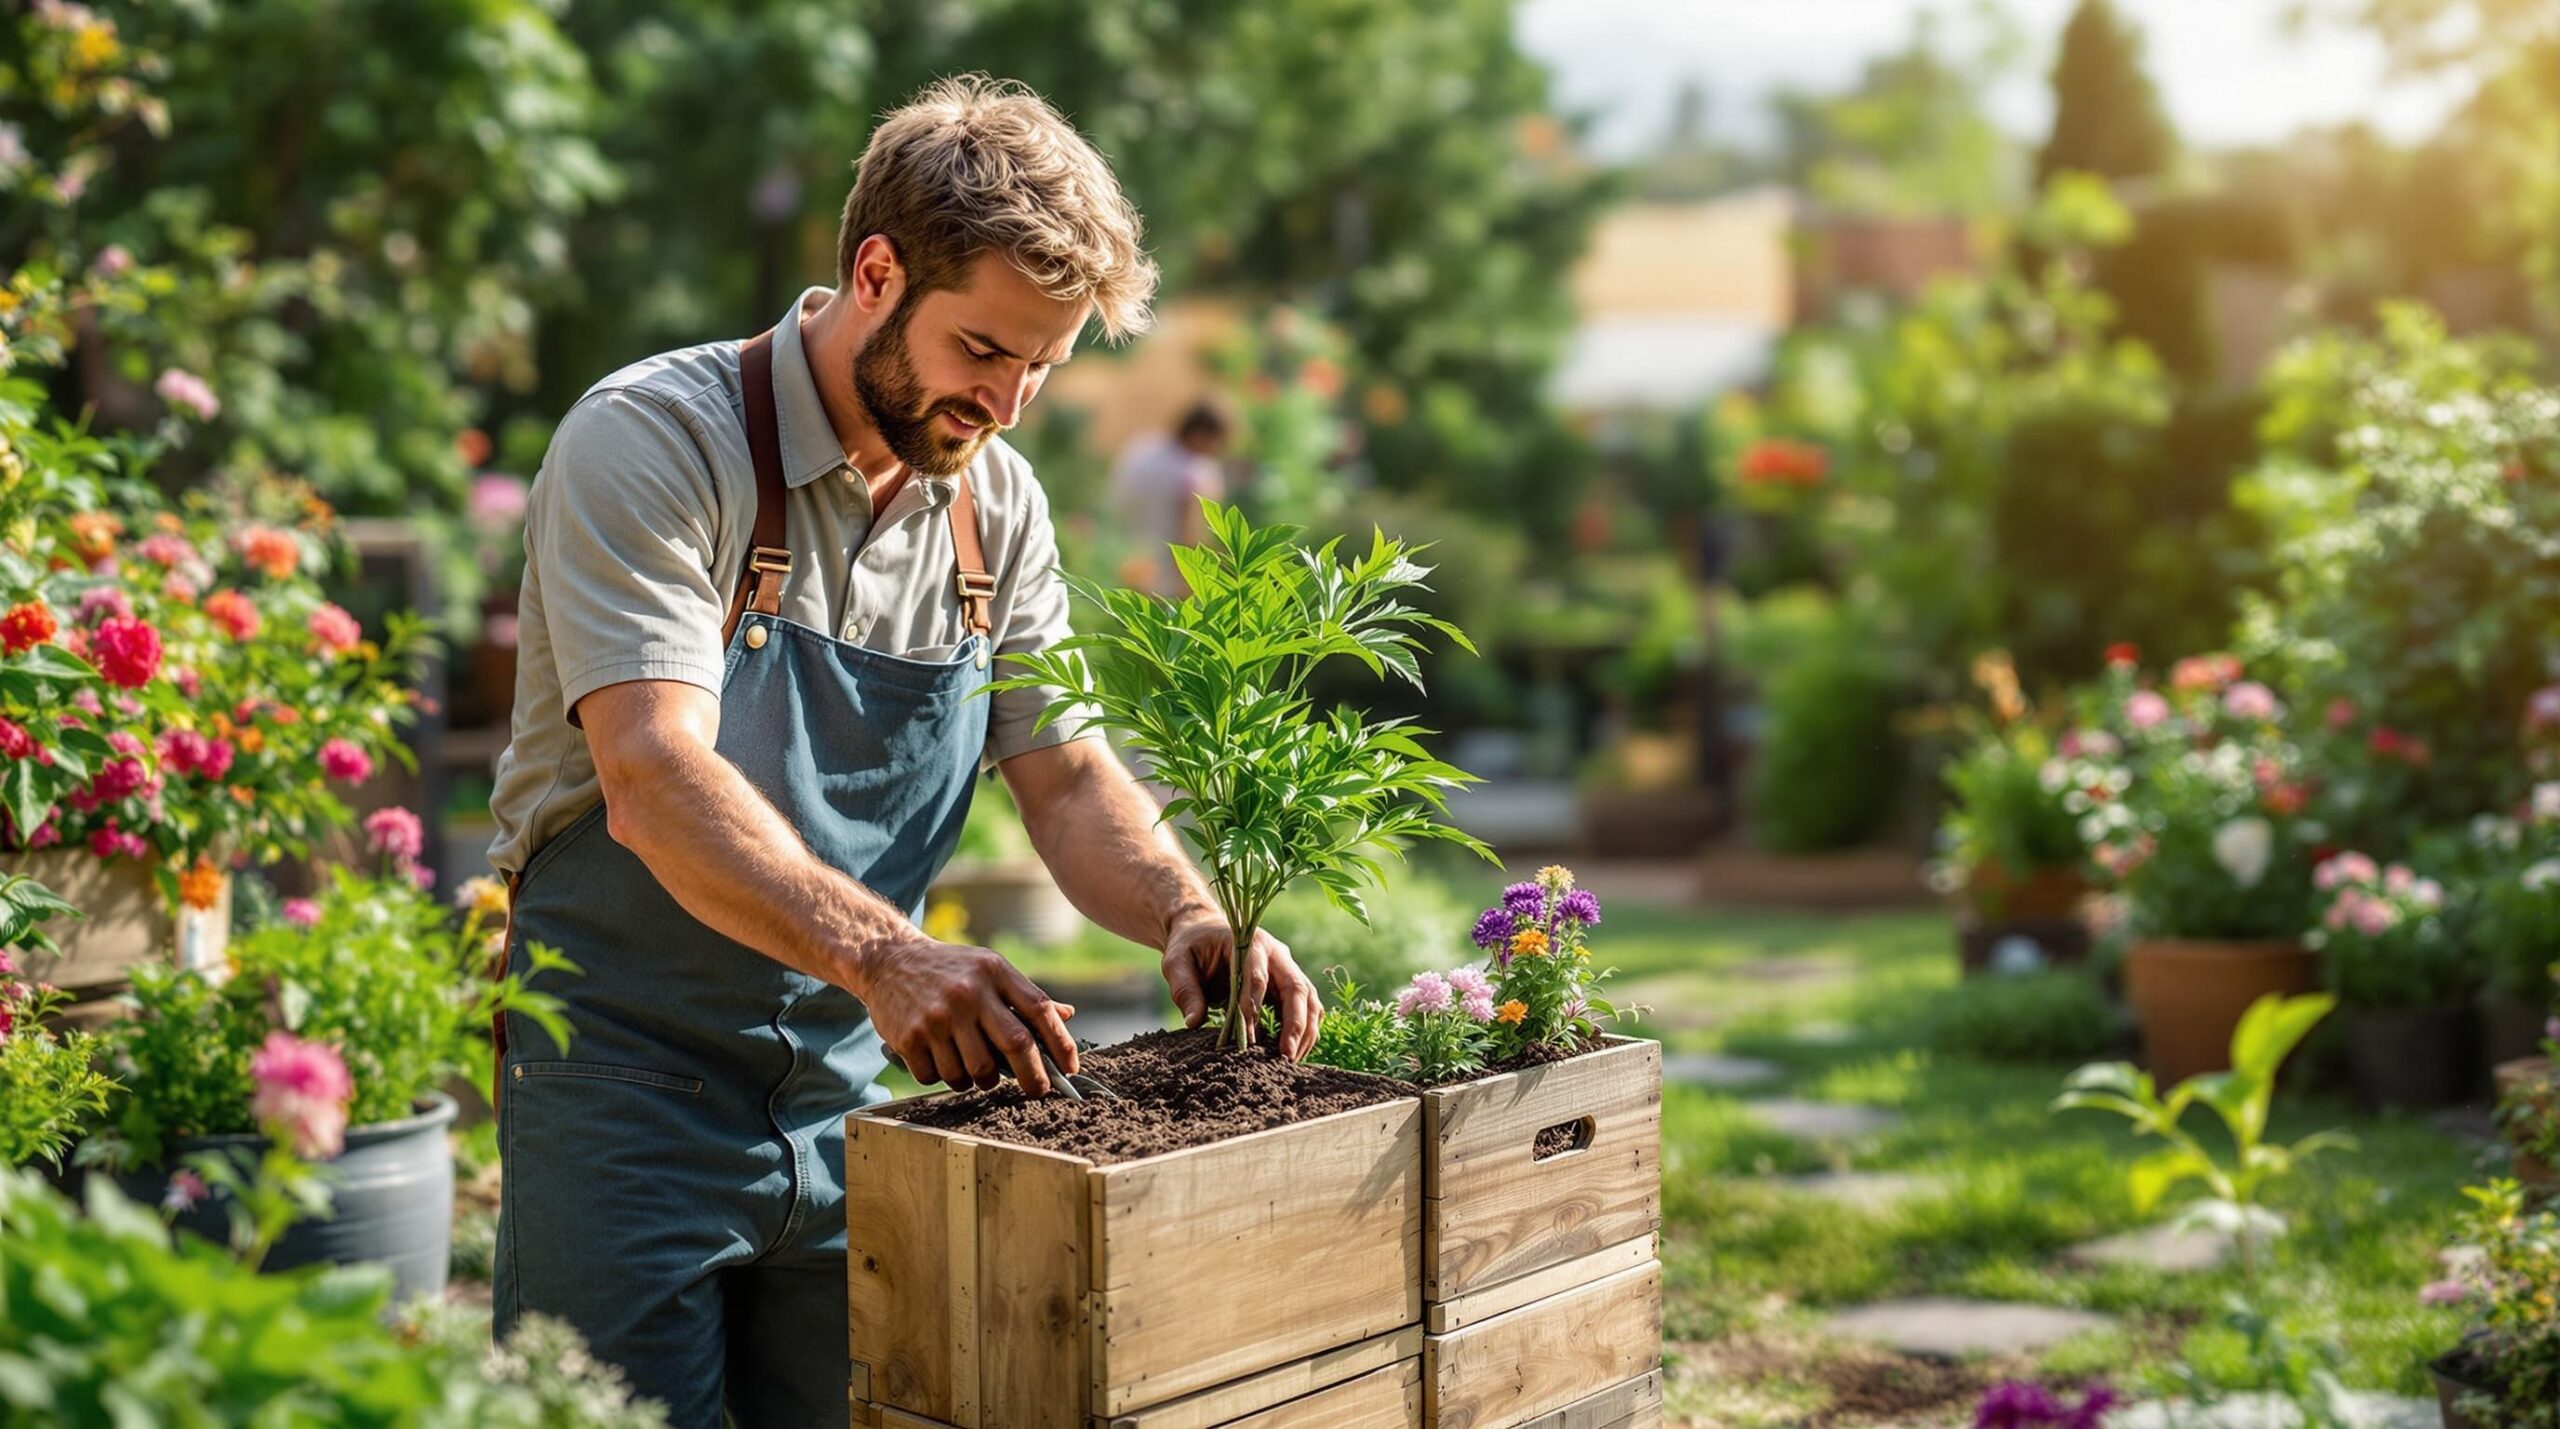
(2235, 1184)
(49, 1087)
(2014, 813)
(1412, 923)
(1211, 693)
(1359, 1034)
(2514, 1284)
(374, 969)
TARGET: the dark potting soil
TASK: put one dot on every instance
(1177, 1089)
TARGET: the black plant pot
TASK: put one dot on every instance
(392, 1200)
(2411, 1058)
(2456, 1376)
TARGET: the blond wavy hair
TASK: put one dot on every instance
(976, 165)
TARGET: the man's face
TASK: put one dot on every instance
(952, 368)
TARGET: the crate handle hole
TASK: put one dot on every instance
(1564, 1138)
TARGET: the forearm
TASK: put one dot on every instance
(1099, 836)
(731, 860)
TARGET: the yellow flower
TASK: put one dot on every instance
(483, 895)
(1555, 878)
(1511, 1012)
(946, 920)
(1529, 943)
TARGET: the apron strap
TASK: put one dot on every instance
(769, 549)
(759, 586)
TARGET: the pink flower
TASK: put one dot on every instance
(1428, 993)
(189, 752)
(2251, 700)
(1470, 982)
(15, 742)
(128, 652)
(98, 602)
(179, 589)
(118, 779)
(336, 630)
(2089, 744)
(2145, 709)
(113, 261)
(163, 549)
(419, 874)
(2543, 710)
(2398, 878)
(2444, 1292)
(2342, 712)
(1478, 1007)
(343, 761)
(2373, 917)
(302, 1094)
(186, 1191)
(111, 841)
(497, 501)
(185, 390)
(8, 963)
(2345, 868)
(395, 833)
(301, 912)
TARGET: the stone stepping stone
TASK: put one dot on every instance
(1822, 1034)
(2163, 1248)
(1937, 1328)
(1862, 1190)
(1716, 1070)
(1822, 1121)
(2260, 1411)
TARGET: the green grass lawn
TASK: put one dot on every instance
(1842, 1004)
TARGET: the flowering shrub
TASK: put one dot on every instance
(2192, 799)
(48, 1087)
(2016, 809)
(2514, 1285)
(1544, 989)
(372, 968)
(1447, 1023)
(2383, 937)
(2513, 923)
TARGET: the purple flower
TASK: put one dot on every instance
(1582, 906)
(2015, 1404)
(1493, 928)
(1524, 899)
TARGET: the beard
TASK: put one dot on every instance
(907, 419)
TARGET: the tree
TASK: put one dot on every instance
(1912, 136)
(2106, 115)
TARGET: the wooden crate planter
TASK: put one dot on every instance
(996, 1286)
(1636, 1404)
(1540, 1284)
(1548, 1356)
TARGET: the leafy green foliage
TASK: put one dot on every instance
(1828, 771)
(402, 994)
(1211, 693)
(2006, 814)
(2516, 1285)
(2107, 118)
(49, 1087)
(104, 1322)
(1359, 1034)
(1411, 924)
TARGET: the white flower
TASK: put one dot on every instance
(2244, 847)
(2542, 875)
(2546, 802)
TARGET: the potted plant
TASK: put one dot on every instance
(1031, 1264)
(2386, 949)
(49, 1085)
(2513, 922)
(393, 991)
(2199, 822)
(2528, 1090)
(1542, 1161)
(2506, 1372)
(2012, 830)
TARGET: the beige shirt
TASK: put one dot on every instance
(639, 524)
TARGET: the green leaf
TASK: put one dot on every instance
(2154, 1176)
(2272, 1027)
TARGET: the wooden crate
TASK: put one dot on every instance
(1493, 1212)
(1564, 1354)
(1636, 1404)
(996, 1286)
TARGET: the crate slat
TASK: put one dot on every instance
(1449, 1316)
(1545, 1356)
(1224, 1404)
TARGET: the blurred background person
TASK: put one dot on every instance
(1157, 484)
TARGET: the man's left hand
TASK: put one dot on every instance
(1201, 949)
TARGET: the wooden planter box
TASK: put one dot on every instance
(1540, 1283)
(125, 921)
(996, 1286)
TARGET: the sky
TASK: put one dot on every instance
(2227, 70)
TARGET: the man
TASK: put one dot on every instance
(1156, 489)
(763, 584)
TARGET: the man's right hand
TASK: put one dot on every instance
(962, 1016)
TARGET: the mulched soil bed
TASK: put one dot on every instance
(1177, 1089)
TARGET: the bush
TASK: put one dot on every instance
(1828, 772)
(1414, 923)
(2058, 1016)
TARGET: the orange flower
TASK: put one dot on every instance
(242, 794)
(200, 887)
(1512, 1012)
(273, 553)
(252, 741)
(1529, 943)
(93, 535)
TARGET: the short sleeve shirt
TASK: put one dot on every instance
(638, 526)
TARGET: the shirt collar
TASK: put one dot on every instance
(809, 446)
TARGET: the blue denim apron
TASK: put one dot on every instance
(673, 1188)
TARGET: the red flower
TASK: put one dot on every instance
(1775, 461)
(2284, 800)
(118, 779)
(15, 742)
(128, 652)
(336, 630)
(2342, 712)
(26, 626)
(234, 612)
(111, 840)
(344, 761)
(2124, 654)
(2384, 741)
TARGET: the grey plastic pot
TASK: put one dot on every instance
(392, 1200)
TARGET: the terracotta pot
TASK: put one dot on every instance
(2045, 895)
(2188, 995)
(126, 921)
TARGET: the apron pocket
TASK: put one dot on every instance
(604, 1072)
